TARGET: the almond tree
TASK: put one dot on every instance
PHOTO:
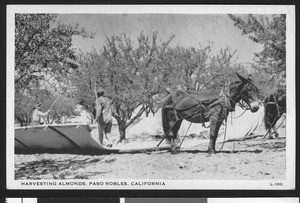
(43, 45)
(201, 69)
(131, 76)
(43, 50)
(129, 73)
(271, 34)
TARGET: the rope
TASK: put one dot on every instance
(281, 122)
(185, 135)
(239, 115)
(166, 134)
(270, 127)
(230, 108)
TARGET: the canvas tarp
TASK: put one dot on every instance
(237, 127)
(241, 123)
(64, 138)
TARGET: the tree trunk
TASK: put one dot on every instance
(122, 130)
(20, 121)
(147, 111)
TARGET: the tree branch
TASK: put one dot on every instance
(141, 111)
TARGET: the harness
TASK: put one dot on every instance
(224, 101)
(220, 101)
(280, 111)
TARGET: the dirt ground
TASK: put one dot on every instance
(254, 159)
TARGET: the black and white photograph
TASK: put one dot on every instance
(151, 97)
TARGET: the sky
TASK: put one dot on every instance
(190, 30)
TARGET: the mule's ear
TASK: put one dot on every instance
(244, 80)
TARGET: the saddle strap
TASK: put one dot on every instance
(220, 115)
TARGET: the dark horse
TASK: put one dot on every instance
(275, 106)
(200, 107)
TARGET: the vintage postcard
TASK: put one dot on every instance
(151, 97)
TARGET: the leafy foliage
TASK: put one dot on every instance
(23, 109)
(200, 69)
(43, 52)
(272, 35)
(43, 47)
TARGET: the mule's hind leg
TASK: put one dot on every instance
(213, 134)
(168, 120)
(175, 137)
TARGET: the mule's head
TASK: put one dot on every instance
(248, 92)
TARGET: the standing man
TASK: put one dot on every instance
(38, 115)
(103, 115)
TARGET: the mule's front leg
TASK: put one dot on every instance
(213, 134)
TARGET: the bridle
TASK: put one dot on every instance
(228, 100)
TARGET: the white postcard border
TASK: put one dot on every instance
(289, 183)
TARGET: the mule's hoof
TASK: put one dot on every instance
(276, 135)
(174, 152)
(211, 151)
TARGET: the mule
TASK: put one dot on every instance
(275, 106)
(200, 107)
